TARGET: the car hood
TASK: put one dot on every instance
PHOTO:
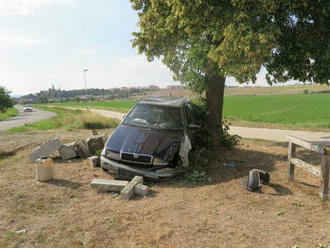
(160, 143)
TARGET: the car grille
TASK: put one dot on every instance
(136, 158)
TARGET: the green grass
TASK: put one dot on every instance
(308, 111)
(68, 119)
(9, 113)
(116, 105)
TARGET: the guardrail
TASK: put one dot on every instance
(323, 173)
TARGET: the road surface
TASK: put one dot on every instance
(23, 118)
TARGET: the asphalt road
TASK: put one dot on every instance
(23, 118)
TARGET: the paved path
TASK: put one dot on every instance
(22, 118)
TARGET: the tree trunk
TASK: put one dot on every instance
(214, 100)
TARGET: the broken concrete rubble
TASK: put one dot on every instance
(106, 185)
(128, 191)
(82, 149)
(95, 143)
(45, 149)
(141, 190)
(94, 161)
(68, 151)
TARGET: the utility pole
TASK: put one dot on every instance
(86, 70)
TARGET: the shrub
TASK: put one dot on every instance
(96, 121)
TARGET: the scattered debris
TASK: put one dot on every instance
(44, 170)
(95, 143)
(82, 149)
(256, 177)
(94, 161)
(128, 191)
(141, 190)
(24, 231)
(279, 213)
(46, 149)
(68, 151)
(106, 185)
(230, 165)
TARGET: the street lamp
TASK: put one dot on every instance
(86, 70)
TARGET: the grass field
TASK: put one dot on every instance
(116, 105)
(301, 111)
(309, 111)
(9, 113)
(69, 120)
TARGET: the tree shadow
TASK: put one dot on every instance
(244, 161)
(64, 183)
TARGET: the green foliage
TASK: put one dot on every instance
(5, 100)
(11, 112)
(237, 38)
(229, 141)
(95, 121)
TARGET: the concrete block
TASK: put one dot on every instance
(94, 161)
(45, 149)
(128, 191)
(82, 149)
(95, 143)
(68, 151)
(141, 190)
(106, 185)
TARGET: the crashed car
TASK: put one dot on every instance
(153, 140)
(28, 109)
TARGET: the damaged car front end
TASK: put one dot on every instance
(152, 141)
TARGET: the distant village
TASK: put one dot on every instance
(53, 95)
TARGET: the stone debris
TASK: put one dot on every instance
(82, 149)
(45, 149)
(126, 188)
(94, 161)
(256, 177)
(106, 185)
(128, 191)
(68, 151)
(95, 143)
(141, 190)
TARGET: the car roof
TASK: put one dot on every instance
(170, 101)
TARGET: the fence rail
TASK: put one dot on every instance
(323, 173)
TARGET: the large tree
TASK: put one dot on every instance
(5, 100)
(205, 41)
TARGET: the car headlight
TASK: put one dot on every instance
(112, 155)
(158, 161)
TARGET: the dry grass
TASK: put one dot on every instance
(68, 213)
(95, 121)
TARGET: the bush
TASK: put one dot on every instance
(95, 121)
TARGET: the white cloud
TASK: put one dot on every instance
(26, 7)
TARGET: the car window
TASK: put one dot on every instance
(155, 116)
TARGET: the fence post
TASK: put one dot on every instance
(291, 154)
(324, 189)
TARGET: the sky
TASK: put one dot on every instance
(51, 42)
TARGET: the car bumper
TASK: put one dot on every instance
(157, 174)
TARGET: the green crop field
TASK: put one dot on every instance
(303, 111)
(9, 113)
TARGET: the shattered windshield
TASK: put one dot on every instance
(154, 116)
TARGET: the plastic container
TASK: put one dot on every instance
(45, 170)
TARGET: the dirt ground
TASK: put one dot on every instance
(66, 212)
